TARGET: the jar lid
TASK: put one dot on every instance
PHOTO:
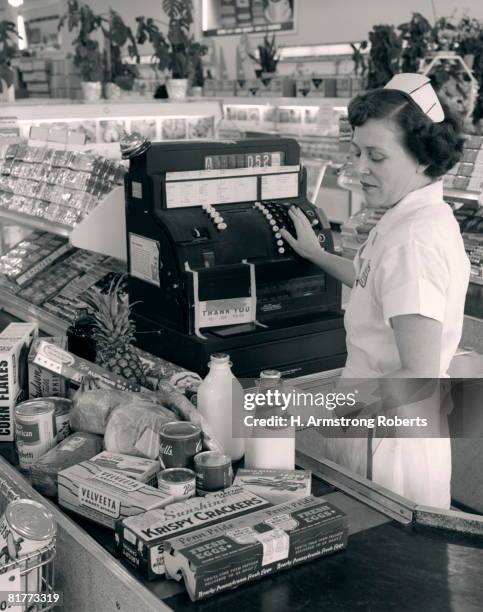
(133, 144)
(30, 519)
(34, 406)
(212, 459)
(270, 374)
(180, 430)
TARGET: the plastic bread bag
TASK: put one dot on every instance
(133, 428)
(74, 449)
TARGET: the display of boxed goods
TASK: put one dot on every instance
(29, 257)
(278, 486)
(140, 539)
(11, 391)
(106, 496)
(467, 175)
(74, 449)
(143, 470)
(224, 556)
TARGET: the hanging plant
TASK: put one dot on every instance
(8, 49)
(417, 37)
(384, 55)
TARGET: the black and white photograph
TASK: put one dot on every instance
(241, 305)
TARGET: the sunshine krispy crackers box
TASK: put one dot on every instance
(139, 539)
(232, 553)
(105, 496)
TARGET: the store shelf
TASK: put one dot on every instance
(26, 311)
(36, 222)
(470, 196)
(476, 280)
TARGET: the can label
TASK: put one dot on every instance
(210, 479)
(179, 490)
(35, 435)
(176, 451)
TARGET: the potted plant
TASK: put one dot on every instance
(384, 55)
(417, 36)
(8, 50)
(120, 75)
(176, 52)
(87, 56)
(267, 59)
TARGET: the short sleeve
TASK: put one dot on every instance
(412, 278)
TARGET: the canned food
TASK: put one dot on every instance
(214, 472)
(178, 482)
(63, 407)
(35, 430)
(25, 527)
(179, 443)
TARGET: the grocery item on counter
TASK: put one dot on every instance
(113, 332)
(105, 496)
(179, 442)
(178, 482)
(63, 406)
(91, 409)
(140, 540)
(76, 448)
(271, 446)
(42, 382)
(26, 526)
(220, 402)
(214, 472)
(143, 470)
(21, 335)
(134, 428)
(75, 369)
(79, 336)
(223, 556)
(35, 430)
(279, 486)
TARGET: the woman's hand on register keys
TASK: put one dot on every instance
(306, 244)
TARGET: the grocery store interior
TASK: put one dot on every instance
(153, 157)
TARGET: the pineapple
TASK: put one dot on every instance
(114, 334)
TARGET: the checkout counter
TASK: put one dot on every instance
(399, 556)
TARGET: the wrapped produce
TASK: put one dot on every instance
(74, 449)
(92, 409)
(133, 428)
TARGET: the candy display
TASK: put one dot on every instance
(57, 185)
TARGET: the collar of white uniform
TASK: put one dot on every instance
(429, 195)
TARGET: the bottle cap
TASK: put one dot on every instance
(220, 358)
(270, 374)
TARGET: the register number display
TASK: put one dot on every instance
(181, 194)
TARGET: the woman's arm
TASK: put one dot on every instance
(307, 245)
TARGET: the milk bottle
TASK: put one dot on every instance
(220, 401)
(271, 447)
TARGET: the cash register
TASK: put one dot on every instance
(209, 270)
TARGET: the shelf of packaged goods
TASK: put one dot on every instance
(476, 280)
(25, 311)
(460, 194)
(35, 222)
(285, 102)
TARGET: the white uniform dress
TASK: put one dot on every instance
(413, 262)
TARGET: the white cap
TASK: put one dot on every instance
(418, 87)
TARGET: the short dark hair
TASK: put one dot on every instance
(439, 146)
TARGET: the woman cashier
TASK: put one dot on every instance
(409, 279)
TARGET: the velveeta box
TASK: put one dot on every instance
(143, 470)
(140, 539)
(235, 552)
(106, 496)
